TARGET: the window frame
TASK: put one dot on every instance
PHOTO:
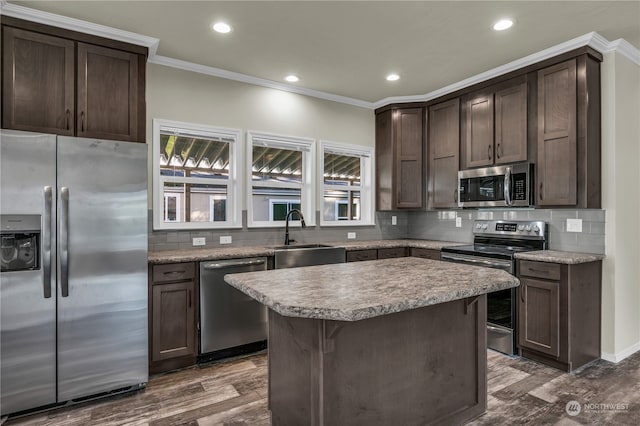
(367, 180)
(307, 186)
(234, 212)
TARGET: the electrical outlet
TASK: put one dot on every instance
(574, 225)
(458, 222)
(351, 235)
(394, 220)
(225, 239)
(199, 241)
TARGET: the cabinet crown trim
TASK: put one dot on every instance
(78, 25)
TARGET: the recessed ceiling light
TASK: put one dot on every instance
(393, 77)
(503, 24)
(221, 27)
(292, 78)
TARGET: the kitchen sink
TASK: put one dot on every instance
(296, 255)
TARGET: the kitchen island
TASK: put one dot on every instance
(395, 341)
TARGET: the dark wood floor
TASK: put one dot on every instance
(234, 392)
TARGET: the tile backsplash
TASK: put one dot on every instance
(179, 240)
(441, 225)
(430, 225)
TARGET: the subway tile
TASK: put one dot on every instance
(560, 214)
(592, 215)
(595, 227)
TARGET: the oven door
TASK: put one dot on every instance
(501, 305)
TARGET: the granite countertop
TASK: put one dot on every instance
(554, 256)
(360, 290)
(219, 253)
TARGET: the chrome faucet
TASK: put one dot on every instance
(286, 226)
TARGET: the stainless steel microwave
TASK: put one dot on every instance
(499, 186)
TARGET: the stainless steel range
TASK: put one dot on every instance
(495, 243)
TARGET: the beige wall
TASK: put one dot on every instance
(174, 94)
(621, 200)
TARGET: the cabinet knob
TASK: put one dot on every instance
(82, 121)
(455, 195)
(68, 113)
(489, 151)
(498, 151)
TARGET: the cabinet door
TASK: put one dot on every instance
(408, 135)
(539, 318)
(479, 131)
(556, 173)
(37, 82)
(384, 161)
(444, 146)
(511, 124)
(107, 93)
(173, 320)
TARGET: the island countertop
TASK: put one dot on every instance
(361, 290)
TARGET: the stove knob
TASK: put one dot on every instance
(528, 228)
(520, 227)
(478, 226)
(484, 227)
(536, 229)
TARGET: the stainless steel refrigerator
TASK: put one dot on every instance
(73, 286)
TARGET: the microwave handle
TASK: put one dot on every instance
(507, 187)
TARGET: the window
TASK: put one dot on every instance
(195, 170)
(280, 178)
(347, 184)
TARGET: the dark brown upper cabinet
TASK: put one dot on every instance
(568, 138)
(495, 125)
(399, 159)
(443, 140)
(38, 82)
(54, 83)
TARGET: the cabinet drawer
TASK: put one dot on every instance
(359, 255)
(389, 253)
(425, 253)
(549, 271)
(173, 272)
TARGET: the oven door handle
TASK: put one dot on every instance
(497, 330)
(507, 187)
(488, 263)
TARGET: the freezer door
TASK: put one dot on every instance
(102, 266)
(27, 315)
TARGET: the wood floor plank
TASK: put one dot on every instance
(234, 392)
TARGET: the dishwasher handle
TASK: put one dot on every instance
(231, 264)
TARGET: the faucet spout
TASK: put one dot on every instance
(286, 225)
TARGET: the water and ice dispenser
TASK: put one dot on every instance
(20, 239)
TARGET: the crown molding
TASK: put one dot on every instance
(73, 24)
(626, 49)
(244, 78)
(592, 39)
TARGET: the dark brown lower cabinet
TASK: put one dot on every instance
(424, 253)
(373, 254)
(559, 313)
(172, 315)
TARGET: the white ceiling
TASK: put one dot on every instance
(348, 47)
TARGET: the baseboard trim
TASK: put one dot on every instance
(619, 356)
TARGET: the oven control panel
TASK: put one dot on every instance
(513, 228)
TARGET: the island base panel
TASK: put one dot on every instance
(417, 367)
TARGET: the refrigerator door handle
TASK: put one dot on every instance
(64, 241)
(46, 241)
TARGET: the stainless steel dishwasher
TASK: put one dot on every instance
(229, 318)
